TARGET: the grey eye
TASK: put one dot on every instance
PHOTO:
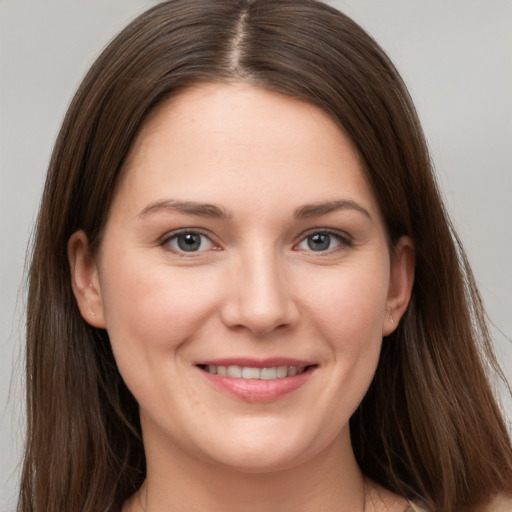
(190, 242)
(322, 241)
(319, 241)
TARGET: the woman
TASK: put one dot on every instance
(245, 292)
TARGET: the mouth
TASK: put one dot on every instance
(251, 372)
(257, 381)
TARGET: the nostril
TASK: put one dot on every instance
(259, 300)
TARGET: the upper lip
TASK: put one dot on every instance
(268, 362)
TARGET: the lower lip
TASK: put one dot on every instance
(258, 390)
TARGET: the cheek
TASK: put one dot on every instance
(350, 307)
(154, 306)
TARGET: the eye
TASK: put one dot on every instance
(189, 241)
(322, 241)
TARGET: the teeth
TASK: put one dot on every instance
(234, 371)
(250, 373)
(247, 372)
(292, 371)
(268, 373)
(282, 371)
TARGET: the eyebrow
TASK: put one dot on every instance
(217, 212)
(185, 208)
(318, 209)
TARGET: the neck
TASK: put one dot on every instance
(331, 482)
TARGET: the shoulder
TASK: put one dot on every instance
(414, 508)
(380, 499)
(501, 503)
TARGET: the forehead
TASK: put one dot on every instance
(220, 142)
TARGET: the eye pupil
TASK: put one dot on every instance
(189, 242)
(319, 241)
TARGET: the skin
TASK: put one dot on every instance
(254, 289)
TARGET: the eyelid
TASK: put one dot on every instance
(164, 241)
(344, 238)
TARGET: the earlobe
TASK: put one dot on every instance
(84, 279)
(401, 281)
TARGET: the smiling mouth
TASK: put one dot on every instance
(248, 372)
(257, 381)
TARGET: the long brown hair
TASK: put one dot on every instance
(429, 427)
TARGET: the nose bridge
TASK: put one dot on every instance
(261, 298)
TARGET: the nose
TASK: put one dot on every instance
(259, 297)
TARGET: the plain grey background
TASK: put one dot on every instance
(456, 58)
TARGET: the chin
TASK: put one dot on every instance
(258, 460)
(273, 452)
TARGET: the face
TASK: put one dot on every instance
(244, 279)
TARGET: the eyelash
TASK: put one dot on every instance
(166, 242)
(343, 240)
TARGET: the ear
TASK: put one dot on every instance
(85, 280)
(401, 281)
